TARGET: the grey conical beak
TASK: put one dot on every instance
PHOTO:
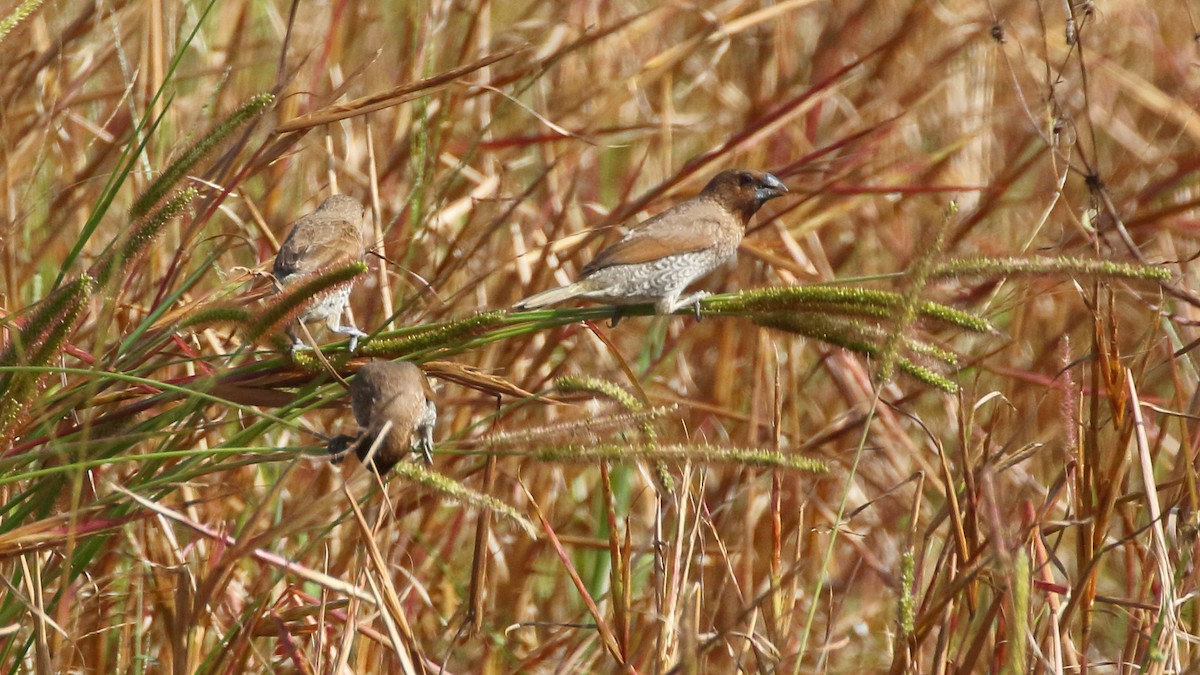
(770, 188)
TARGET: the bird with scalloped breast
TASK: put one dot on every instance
(659, 258)
(326, 239)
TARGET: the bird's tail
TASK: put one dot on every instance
(553, 296)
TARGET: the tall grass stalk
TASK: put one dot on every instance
(743, 493)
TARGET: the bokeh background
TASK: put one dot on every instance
(162, 515)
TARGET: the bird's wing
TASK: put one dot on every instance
(388, 391)
(694, 225)
(405, 408)
(311, 247)
(364, 391)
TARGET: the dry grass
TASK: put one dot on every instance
(166, 505)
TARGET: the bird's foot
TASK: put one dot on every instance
(425, 447)
(354, 334)
(692, 301)
(615, 318)
(424, 443)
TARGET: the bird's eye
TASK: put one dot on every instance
(745, 179)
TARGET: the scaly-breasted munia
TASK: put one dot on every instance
(389, 391)
(657, 259)
(324, 240)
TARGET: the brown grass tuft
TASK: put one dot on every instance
(165, 503)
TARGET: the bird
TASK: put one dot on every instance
(659, 258)
(383, 392)
(324, 240)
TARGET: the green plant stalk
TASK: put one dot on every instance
(147, 232)
(628, 401)
(811, 296)
(815, 597)
(130, 153)
(225, 314)
(307, 360)
(884, 312)
(588, 425)
(916, 278)
(115, 180)
(814, 324)
(46, 315)
(845, 337)
(766, 459)
(133, 340)
(142, 235)
(595, 385)
(435, 337)
(259, 453)
(460, 493)
(195, 389)
(417, 344)
(839, 309)
(292, 301)
(906, 617)
(22, 380)
(1018, 627)
(22, 12)
(1063, 265)
(418, 158)
(927, 376)
(171, 175)
(499, 327)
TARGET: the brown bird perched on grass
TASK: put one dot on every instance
(383, 392)
(326, 239)
(657, 259)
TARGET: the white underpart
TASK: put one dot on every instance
(660, 281)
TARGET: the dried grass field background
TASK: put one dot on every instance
(956, 434)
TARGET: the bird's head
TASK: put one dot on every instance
(342, 205)
(345, 208)
(744, 191)
(342, 445)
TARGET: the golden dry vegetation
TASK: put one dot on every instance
(957, 433)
